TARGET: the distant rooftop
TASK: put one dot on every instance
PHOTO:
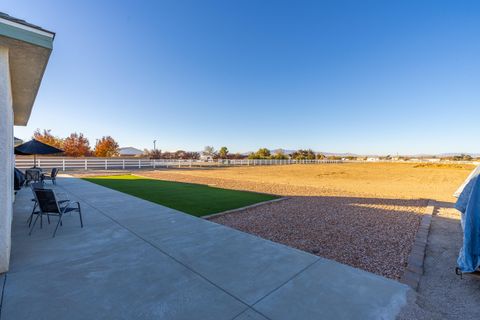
(22, 22)
(129, 151)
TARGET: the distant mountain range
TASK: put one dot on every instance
(348, 154)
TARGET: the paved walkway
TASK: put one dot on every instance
(442, 294)
(138, 260)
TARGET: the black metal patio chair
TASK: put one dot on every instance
(52, 176)
(33, 175)
(49, 205)
(38, 185)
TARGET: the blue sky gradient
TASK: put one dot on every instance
(376, 77)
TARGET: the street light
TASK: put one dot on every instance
(154, 145)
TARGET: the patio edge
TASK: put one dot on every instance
(416, 258)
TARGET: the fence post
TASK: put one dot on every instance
(139, 164)
(39, 163)
(86, 165)
(153, 163)
(123, 164)
(106, 164)
(63, 164)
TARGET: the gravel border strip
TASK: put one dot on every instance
(415, 263)
(214, 215)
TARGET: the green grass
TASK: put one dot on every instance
(195, 199)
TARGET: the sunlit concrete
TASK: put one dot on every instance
(139, 260)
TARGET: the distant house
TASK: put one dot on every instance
(129, 152)
(206, 157)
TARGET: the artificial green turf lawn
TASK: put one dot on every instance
(195, 199)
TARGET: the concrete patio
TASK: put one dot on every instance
(138, 260)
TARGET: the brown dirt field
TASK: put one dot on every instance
(363, 214)
(372, 180)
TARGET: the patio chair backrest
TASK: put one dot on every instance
(32, 175)
(54, 172)
(19, 179)
(37, 185)
(47, 201)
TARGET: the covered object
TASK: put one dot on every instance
(468, 204)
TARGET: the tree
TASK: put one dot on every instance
(180, 154)
(168, 155)
(153, 154)
(279, 155)
(48, 138)
(303, 155)
(321, 156)
(76, 145)
(193, 155)
(223, 153)
(106, 147)
(262, 153)
(209, 151)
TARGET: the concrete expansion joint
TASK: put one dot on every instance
(159, 249)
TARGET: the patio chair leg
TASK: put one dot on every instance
(33, 226)
(80, 214)
(31, 215)
(58, 223)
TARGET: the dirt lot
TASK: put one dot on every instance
(382, 180)
(362, 214)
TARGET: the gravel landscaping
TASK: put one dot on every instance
(372, 234)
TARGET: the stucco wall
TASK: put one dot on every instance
(6, 160)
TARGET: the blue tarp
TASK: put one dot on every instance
(468, 204)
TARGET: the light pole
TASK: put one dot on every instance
(154, 145)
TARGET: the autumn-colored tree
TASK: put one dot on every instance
(106, 147)
(76, 145)
(47, 137)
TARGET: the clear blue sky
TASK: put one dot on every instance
(380, 77)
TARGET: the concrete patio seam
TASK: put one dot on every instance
(246, 310)
(162, 251)
(284, 283)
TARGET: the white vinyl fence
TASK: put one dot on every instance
(68, 164)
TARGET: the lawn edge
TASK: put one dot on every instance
(210, 185)
(214, 215)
